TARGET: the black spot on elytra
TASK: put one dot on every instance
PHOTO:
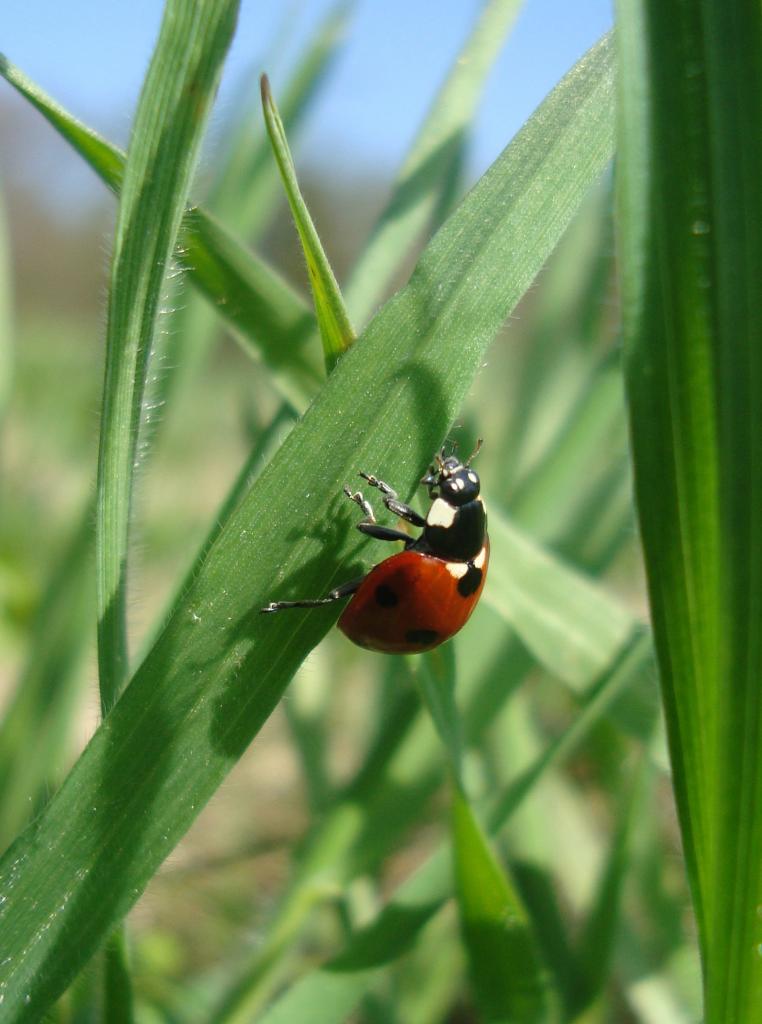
(469, 583)
(421, 636)
(385, 596)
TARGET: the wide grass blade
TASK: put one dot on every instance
(256, 301)
(336, 331)
(691, 247)
(218, 669)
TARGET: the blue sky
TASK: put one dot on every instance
(92, 55)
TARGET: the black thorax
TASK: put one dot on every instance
(463, 539)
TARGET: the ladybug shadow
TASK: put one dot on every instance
(336, 529)
(332, 532)
(286, 637)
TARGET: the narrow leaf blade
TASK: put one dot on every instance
(336, 331)
(174, 103)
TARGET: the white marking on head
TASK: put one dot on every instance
(457, 569)
(481, 558)
(441, 514)
(458, 483)
(473, 477)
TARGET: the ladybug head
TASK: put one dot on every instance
(452, 480)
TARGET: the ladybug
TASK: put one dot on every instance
(420, 597)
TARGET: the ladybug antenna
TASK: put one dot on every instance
(475, 452)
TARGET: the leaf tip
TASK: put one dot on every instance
(264, 86)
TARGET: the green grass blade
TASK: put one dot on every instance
(336, 331)
(691, 246)
(427, 172)
(117, 1005)
(257, 302)
(509, 980)
(218, 669)
(243, 196)
(169, 122)
(105, 159)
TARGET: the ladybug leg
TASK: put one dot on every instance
(333, 595)
(385, 533)
(391, 501)
(370, 527)
(365, 505)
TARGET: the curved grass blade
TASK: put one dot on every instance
(336, 331)
(243, 288)
(691, 247)
(431, 164)
(217, 669)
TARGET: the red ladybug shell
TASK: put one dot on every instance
(411, 602)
